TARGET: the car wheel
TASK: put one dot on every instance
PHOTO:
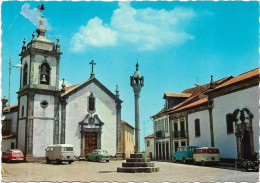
(174, 160)
(203, 163)
(107, 160)
(97, 159)
(59, 162)
(184, 160)
(69, 162)
(48, 161)
(87, 159)
(194, 162)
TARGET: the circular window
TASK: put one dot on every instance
(44, 104)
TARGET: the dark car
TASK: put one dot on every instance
(13, 155)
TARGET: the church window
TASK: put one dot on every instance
(45, 74)
(197, 127)
(166, 125)
(22, 111)
(44, 103)
(6, 127)
(25, 73)
(91, 103)
(148, 143)
(162, 123)
(229, 121)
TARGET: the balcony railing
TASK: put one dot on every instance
(160, 134)
(178, 134)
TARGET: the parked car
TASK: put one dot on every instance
(184, 154)
(13, 155)
(251, 163)
(98, 155)
(206, 155)
(60, 153)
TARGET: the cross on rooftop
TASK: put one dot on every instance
(92, 68)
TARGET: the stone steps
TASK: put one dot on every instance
(137, 164)
(137, 169)
(138, 160)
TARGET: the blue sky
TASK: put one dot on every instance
(176, 43)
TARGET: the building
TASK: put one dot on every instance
(221, 114)
(9, 125)
(127, 139)
(149, 146)
(84, 115)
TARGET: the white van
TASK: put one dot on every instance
(205, 155)
(60, 153)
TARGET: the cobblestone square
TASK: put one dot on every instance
(86, 171)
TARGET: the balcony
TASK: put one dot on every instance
(179, 134)
(182, 134)
(160, 134)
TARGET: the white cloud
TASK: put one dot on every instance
(145, 29)
(94, 34)
(33, 15)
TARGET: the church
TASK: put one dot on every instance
(87, 115)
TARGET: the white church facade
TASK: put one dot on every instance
(87, 115)
(222, 114)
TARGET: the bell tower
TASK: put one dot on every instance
(38, 96)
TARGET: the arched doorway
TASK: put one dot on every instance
(244, 133)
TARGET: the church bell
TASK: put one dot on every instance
(43, 80)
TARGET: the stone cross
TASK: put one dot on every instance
(92, 68)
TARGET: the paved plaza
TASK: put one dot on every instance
(100, 172)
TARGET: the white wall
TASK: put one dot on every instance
(77, 110)
(248, 98)
(39, 111)
(6, 144)
(42, 136)
(204, 138)
(150, 148)
(21, 133)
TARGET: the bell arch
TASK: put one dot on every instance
(45, 71)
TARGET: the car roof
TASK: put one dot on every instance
(14, 150)
(190, 146)
(207, 148)
(61, 145)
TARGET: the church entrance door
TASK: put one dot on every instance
(90, 141)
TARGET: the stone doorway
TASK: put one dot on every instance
(244, 133)
(90, 142)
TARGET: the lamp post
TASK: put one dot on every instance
(137, 82)
(10, 71)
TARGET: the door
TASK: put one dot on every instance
(90, 142)
(151, 155)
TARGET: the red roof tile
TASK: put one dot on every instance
(240, 78)
(123, 122)
(11, 107)
(71, 87)
(150, 136)
(167, 94)
(196, 103)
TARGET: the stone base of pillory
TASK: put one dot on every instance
(137, 164)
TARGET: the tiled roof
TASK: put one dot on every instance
(71, 87)
(123, 122)
(196, 103)
(240, 78)
(12, 135)
(11, 107)
(167, 94)
(149, 136)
